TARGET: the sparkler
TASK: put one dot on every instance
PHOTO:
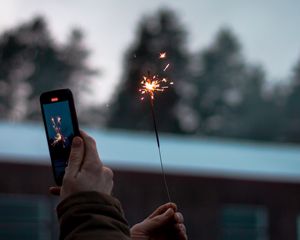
(151, 84)
(59, 137)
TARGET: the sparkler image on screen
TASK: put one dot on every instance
(59, 138)
(60, 133)
(59, 124)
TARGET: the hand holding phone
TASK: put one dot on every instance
(85, 172)
(61, 126)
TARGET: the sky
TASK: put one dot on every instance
(268, 30)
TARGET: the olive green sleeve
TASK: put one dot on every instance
(92, 215)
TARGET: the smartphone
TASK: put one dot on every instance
(61, 126)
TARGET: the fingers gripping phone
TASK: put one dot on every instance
(61, 127)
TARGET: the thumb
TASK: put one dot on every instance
(76, 156)
(161, 220)
(55, 190)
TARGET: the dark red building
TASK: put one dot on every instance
(225, 189)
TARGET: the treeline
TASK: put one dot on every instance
(216, 91)
(32, 62)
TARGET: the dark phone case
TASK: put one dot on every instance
(62, 95)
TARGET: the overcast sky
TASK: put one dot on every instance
(268, 30)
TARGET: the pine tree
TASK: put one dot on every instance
(230, 100)
(292, 109)
(219, 80)
(75, 54)
(260, 113)
(31, 62)
(159, 33)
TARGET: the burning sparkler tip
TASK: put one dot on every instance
(162, 55)
(152, 83)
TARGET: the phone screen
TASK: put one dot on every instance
(60, 133)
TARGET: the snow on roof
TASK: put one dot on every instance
(26, 142)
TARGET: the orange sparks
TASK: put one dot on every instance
(152, 83)
(162, 55)
(166, 67)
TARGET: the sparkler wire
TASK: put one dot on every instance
(159, 151)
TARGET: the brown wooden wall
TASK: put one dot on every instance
(198, 198)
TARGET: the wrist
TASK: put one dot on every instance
(138, 236)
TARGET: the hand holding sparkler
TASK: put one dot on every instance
(165, 223)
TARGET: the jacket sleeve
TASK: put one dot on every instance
(92, 215)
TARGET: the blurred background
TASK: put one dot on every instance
(229, 126)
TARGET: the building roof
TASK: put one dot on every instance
(26, 142)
